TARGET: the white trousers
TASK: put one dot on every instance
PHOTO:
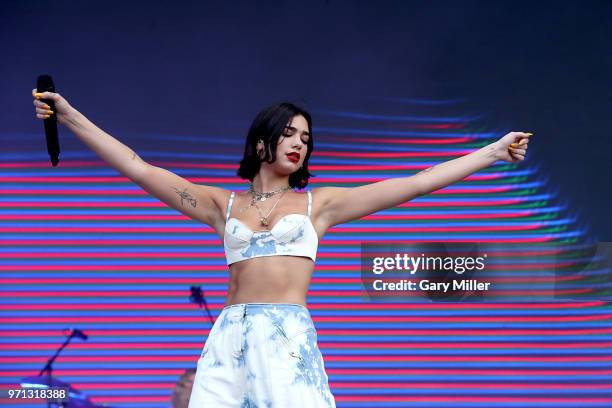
(262, 355)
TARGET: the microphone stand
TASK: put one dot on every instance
(197, 297)
(49, 367)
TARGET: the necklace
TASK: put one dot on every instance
(264, 220)
(262, 196)
(259, 196)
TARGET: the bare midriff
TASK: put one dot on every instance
(270, 279)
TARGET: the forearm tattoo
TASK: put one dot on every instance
(136, 157)
(426, 170)
(186, 196)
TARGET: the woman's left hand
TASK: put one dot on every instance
(512, 148)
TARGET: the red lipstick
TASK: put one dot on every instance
(293, 156)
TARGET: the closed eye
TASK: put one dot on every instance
(290, 131)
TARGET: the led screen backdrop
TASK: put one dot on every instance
(393, 87)
(84, 247)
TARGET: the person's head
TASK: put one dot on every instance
(276, 131)
(182, 390)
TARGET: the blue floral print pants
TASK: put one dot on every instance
(262, 355)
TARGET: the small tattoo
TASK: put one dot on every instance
(185, 196)
(426, 170)
(135, 156)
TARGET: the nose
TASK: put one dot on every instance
(298, 144)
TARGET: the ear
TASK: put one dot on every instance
(259, 149)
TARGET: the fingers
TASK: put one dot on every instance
(519, 145)
(40, 104)
(517, 154)
(516, 150)
(43, 111)
(522, 134)
(54, 96)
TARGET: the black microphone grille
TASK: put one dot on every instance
(45, 83)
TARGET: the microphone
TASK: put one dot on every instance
(78, 333)
(44, 83)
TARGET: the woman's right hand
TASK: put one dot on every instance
(62, 107)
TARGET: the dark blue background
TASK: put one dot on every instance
(188, 68)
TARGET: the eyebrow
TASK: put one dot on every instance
(294, 128)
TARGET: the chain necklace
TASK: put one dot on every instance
(256, 195)
(264, 220)
(263, 196)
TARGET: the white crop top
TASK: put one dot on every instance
(292, 235)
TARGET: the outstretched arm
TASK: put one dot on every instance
(112, 151)
(342, 204)
(202, 203)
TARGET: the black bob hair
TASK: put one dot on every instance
(269, 126)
